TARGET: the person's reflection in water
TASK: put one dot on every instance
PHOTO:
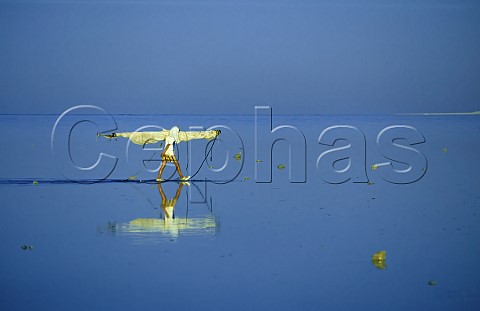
(168, 206)
(170, 225)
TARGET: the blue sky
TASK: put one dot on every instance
(228, 56)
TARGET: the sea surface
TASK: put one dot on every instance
(288, 227)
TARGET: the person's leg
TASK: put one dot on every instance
(182, 177)
(160, 171)
(179, 170)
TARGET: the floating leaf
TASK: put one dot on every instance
(379, 259)
(246, 178)
(35, 182)
(374, 167)
(24, 247)
(258, 161)
(238, 156)
(133, 177)
(432, 283)
(444, 149)
(280, 166)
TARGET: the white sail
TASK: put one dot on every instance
(143, 138)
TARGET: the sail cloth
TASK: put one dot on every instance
(142, 138)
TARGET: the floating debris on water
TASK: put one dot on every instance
(432, 283)
(379, 260)
(246, 178)
(374, 167)
(238, 156)
(210, 167)
(280, 166)
(370, 183)
(258, 161)
(35, 182)
(133, 177)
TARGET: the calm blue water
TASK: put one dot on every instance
(236, 243)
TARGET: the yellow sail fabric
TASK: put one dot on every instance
(208, 135)
(142, 138)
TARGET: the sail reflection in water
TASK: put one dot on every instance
(146, 230)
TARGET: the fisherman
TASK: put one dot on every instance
(170, 137)
(168, 154)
